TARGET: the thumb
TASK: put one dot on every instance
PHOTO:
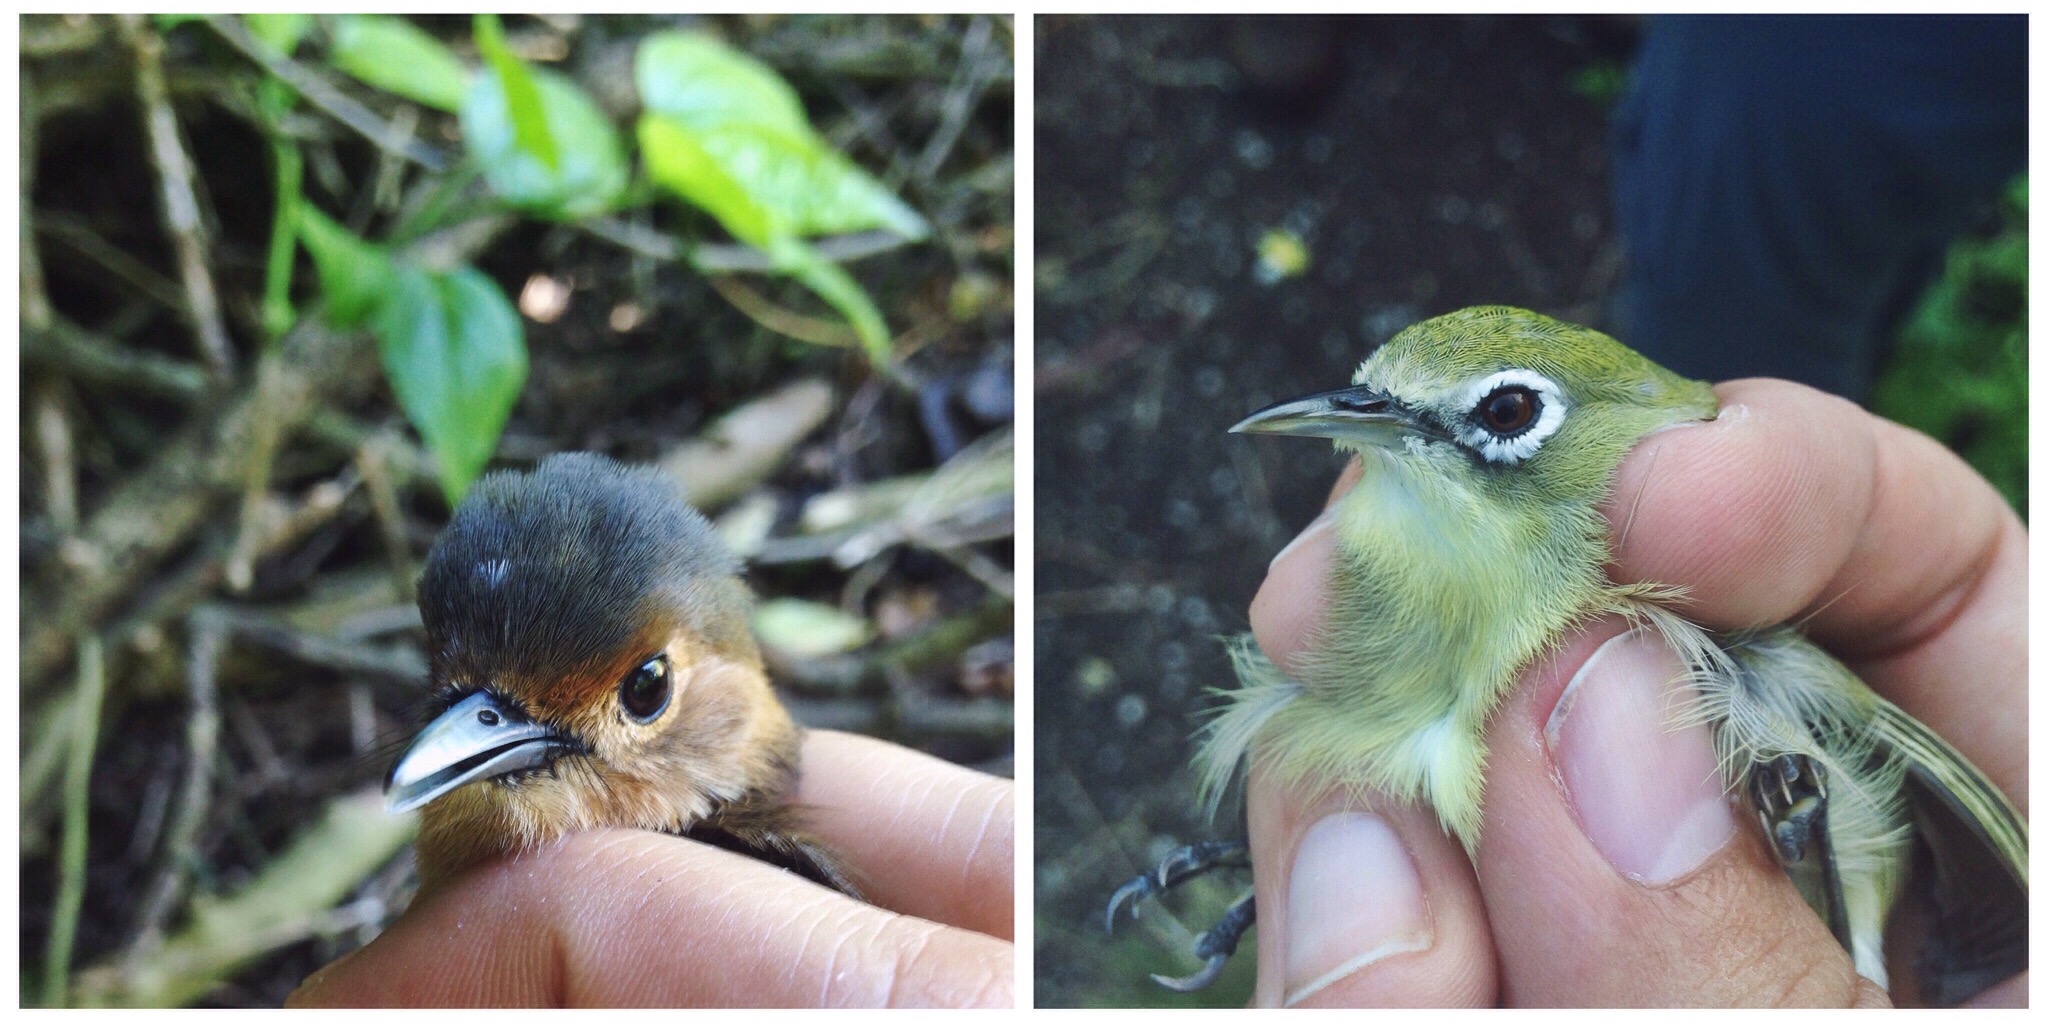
(1615, 870)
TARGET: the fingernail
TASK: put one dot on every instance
(1648, 794)
(1353, 900)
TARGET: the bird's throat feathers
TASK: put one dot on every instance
(1441, 596)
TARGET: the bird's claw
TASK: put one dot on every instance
(1215, 947)
(1133, 891)
(1176, 867)
(1198, 981)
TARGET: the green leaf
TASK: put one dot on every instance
(455, 353)
(530, 127)
(676, 160)
(703, 83)
(282, 30)
(815, 190)
(835, 286)
(588, 173)
(392, 54)
(355, 276)
(743, 119)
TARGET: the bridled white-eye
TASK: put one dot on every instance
(1474, 544)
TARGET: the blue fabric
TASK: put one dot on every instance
(1786, 186)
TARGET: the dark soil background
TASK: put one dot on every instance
(1427, 164)
(317, 673)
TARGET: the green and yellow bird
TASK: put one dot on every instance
(1489, 439)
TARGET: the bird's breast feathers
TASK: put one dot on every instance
(1441, 596)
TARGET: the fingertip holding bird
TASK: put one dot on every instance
(1795, 504)
(1788, 457)
(1646, 788)
(1289, 603)
(1613, 871)
(1799, 507)
(1354, 898)
(1362, 902)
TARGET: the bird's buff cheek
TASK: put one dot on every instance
(1647, 794)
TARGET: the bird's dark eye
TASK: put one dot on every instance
(645, 689)
(1509, 410)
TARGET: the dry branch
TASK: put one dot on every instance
(180, 200)
(157, 511)
(71, 350)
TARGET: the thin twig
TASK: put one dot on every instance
(326, 96)
(76, 353)
(43, 746)
(994, 576)
(962, 97)
(180, 200)
(79, 236)
(272, 390)
(85, 730)
(60, 463)
(374, 464)
(396, 665)
(713, 258)
(35, 302)
(816, 331)
(202, 733)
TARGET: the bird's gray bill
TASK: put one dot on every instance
(479, 737)
(1356, 413)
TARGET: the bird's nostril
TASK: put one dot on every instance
(487, 717)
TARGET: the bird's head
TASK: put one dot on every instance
(1515, 402)
(588, 639)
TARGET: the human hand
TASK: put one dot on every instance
(1610, 870)
(631, 918)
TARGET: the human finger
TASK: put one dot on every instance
(1797, 506)
(924, 837)
(617, 917)
(1613, 868)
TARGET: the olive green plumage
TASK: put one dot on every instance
(1474, 543)
(1454, 572)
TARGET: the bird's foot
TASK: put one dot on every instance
(1214, 947)
(1791, 796)
(1182, 864)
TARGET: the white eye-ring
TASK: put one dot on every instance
(1510, 414)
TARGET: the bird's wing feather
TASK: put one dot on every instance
(775, 833)
(1979, 847)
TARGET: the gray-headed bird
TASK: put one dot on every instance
(589, 642)
(1469, 548)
